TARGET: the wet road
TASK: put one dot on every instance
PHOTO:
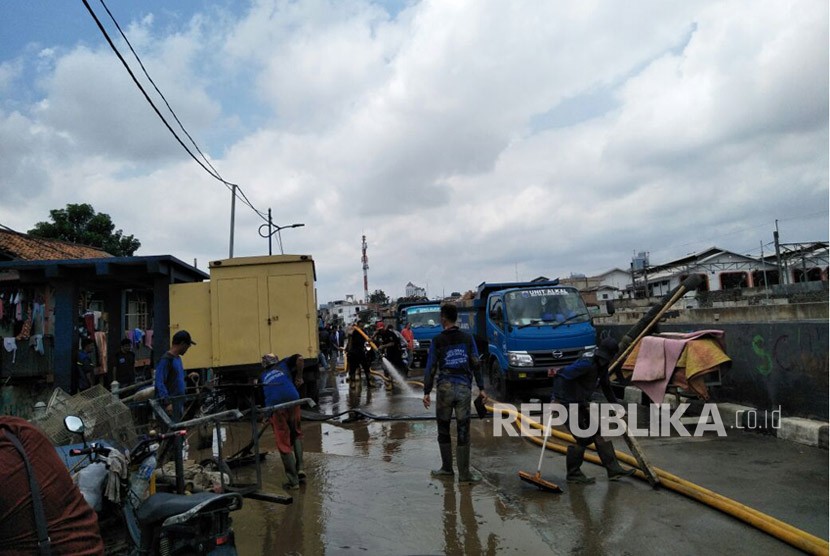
(369, 492)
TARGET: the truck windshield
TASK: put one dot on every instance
(423, 316)
(545, 306)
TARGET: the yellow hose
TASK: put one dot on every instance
(793, 536)
(783, 531)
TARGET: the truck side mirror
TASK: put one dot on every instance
(609, 307)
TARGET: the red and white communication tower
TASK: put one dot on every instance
(365, 260)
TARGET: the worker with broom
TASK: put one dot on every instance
(453, 363)
(573, 387)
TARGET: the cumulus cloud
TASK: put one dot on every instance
(468, 141)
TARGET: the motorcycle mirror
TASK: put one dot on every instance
(74, 424)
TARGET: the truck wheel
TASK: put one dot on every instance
(498, 382)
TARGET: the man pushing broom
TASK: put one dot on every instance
(573, 386)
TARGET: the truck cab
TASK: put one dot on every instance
(425, 319)
(525, 331)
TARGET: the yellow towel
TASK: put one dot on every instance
(701, 355)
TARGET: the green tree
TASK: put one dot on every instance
(81, 224)
(379, 297)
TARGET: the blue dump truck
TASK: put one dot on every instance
(425, 318)
(525, 330)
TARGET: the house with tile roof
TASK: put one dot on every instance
(54, 293)
(15, 246)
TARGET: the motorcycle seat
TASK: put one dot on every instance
(163, 505)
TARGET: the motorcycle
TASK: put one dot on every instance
(161, 523)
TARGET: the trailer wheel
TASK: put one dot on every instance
(498, 382)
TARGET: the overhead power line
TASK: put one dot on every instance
(206, 166)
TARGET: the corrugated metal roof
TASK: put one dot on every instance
(22, 247)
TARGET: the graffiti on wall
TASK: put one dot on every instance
(805, 352)
(765, 367)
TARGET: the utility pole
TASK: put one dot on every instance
(365, 260)
(764, 270)
(233, 214)
(782, 277)
(273, 229)
(270, 225)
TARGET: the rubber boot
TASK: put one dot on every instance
(466, 474)
(290, 464)
(573, 462)
(446, 462)
(298, 457)
(609, 459)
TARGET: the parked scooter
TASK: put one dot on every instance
(163, 523)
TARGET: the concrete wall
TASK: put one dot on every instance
(726, 313)
(773, 364)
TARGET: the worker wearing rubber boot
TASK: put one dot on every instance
(453, 363)
(279, 386)
(573, 387)
(356, 356)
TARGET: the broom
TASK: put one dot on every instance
(537, 479)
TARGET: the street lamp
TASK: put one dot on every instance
(274, 229)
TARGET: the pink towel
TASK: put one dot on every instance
(651, 360)
(669, 352)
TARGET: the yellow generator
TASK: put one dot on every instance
(250, 306)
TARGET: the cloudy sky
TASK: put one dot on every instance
(469, 140)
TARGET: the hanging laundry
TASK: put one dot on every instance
(138, 335)
(89, 323)
(25, 331)
(38, 324)
(36, 342)
(11, 346)
(148, 338)
(96, 318)
(101, 344)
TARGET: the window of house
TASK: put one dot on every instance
(138, 310)
(704, 283)
(734, 280)
(810, 275)
(764, 278)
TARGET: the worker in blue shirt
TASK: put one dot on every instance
(573, 386)
(169, 381)
(453, 363)
(280, 382)
(85, 365)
